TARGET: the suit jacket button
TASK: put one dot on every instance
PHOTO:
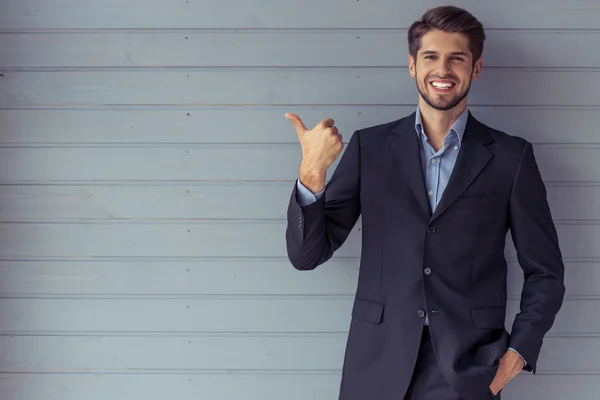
(421, 313)
(427, 271)
(431, 229)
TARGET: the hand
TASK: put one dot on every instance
(510, 366)
(320, 147)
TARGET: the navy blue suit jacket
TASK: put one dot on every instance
(448, 265)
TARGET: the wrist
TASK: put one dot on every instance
(312, 178)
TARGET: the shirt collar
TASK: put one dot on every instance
(458, 127)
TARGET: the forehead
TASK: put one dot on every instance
(444, 42)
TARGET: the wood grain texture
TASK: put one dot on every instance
(260, 125)
(186, 354)
(221, 315)
(375, 14)
(284, 86)
(287, 48)
(233, 277)
(296, 385)
(204, 239)
(239, 162)
(194, 201)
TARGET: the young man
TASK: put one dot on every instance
(438, 191)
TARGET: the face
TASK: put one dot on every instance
(443, 69)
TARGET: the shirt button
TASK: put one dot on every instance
(455, 147)
(433, 161)
(421, 313)
(431, 229)
(427, 271)
(430, 193)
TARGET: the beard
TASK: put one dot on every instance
(446, 102)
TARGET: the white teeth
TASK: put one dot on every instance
(442, 85)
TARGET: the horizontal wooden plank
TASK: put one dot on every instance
(123, 354)
(131, 354)
(216, 315)
(198, 277)
(288, 48)
(69, 14)
(252, 277)
(238, 162)
(205, 239)
(209, 201)
(253, 386)
(191, 385)
(257, 125)
(164, 315)
(284, 86)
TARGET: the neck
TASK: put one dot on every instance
(438, 123)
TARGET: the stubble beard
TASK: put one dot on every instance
(443, 105)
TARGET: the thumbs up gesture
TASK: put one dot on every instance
(321, 145)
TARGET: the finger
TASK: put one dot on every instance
(298, 124)
(327, 122)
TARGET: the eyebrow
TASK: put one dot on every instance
(454, 53)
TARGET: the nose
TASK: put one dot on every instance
(444, 67)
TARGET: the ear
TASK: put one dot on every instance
(412, 66)
(477, 68)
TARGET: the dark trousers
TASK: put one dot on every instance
(428, 382)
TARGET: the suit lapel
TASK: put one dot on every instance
(405, 146)
(472, 158)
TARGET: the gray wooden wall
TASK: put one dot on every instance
(145, 168)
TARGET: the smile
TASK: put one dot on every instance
(442, 85)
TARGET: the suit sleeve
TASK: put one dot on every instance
(305, 196)
(539, 255)
(316, 230)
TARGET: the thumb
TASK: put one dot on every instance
(300, 128)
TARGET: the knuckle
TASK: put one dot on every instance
(332, 130)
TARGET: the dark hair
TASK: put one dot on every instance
(448, 19)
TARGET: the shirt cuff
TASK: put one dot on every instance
(305, 196)
(525, 362)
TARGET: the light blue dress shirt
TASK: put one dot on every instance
(437, 165)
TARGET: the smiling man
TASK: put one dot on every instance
(438, 191)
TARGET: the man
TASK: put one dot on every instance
(438, 191)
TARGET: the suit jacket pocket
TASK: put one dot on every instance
(477, 201)
(489, 317)
(367, 310)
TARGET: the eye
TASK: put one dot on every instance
(458, 58)
(430, 57)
